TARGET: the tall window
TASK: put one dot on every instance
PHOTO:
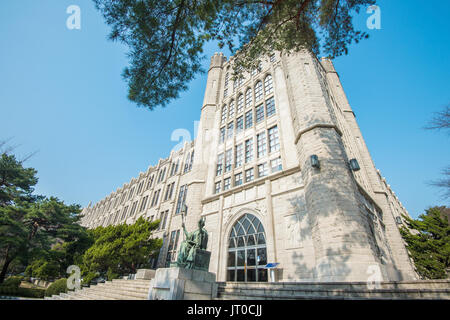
(258, 91)
(239, 124)
(259, 113)
(155, 197)
(240, 103)
(238, 155)
(248, 98)
(247, 253)
(248, 150)
(219, 164)
(270, 107)
(249, 119)
(225, 92)
(268, 85)
(238, 179)
(181, 198)
(228, 160)
(163, 220)
(230, 130)
(231, 110)
(261, 144)
(217, 186)
(143, 204)
(172, 248)
(226, 79)
(222, 135)
(274, 141)
(131, 193)
(133, 208)
(140, 187)
(224, 114)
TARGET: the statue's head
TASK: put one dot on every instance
(201, 223)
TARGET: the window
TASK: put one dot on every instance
(140, 187)
(275, 165)
(259, 113)
(133, 208)
(268, 85)
(240, 103)
(150, 182)
(172, 248)
(248, 98)
(225, 92)
(169, 190)
(230, 130)
(224, 114)
(226, 79)
(143, 204)
(270, 107)
(240, 81)
(249, 119)
(163, 220)
(217, 187)
(155, 197)
(190, 162)
(181, 199)
(272, 57)
(248, 150)
(239, 124)
(219, 164)
(231, 110)
(228, 160)
(257, 70)
(124, 213)
(226, 184)
(274, 141)
(262, 170)
(131, 193)
(247, 252)
(258, 91)
(222, 135)
(238, 179)
(238, 155)
(249, 175)
(261, 144)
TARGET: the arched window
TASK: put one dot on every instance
(268, 85)
(247, 253)
(248, 98)
(258, 91)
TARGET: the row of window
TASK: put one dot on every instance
(244, 151)
(228, 111)
(262, 111)
(160, 177)
(263, 170)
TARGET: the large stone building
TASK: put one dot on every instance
(281, 173)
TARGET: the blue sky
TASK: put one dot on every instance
(61, 94)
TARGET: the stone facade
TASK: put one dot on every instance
(324, 223)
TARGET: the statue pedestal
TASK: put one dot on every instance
(182, 284)
(145, 274)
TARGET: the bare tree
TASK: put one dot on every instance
(441, 121)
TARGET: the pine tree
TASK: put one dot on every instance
(428, 243)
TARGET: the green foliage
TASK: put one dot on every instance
(57, 287)
(120, 249)
(43, 269)
(166, 38)
(30, 225)
(11, 287)
(428, 243)
(89, 277)
(12, 282)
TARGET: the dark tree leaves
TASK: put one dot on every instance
(166, 38)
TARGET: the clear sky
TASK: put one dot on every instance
(61, 94)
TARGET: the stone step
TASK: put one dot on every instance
(124, 292)
(426, 284)
(283, 293)
(132, 287)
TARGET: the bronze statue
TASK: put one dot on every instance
(193, 254)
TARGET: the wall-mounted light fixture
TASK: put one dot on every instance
(315, 163)
(354, 165)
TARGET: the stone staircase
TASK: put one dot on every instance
(117, 289)
(405, 290)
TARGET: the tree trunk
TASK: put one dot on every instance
(8, 260)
